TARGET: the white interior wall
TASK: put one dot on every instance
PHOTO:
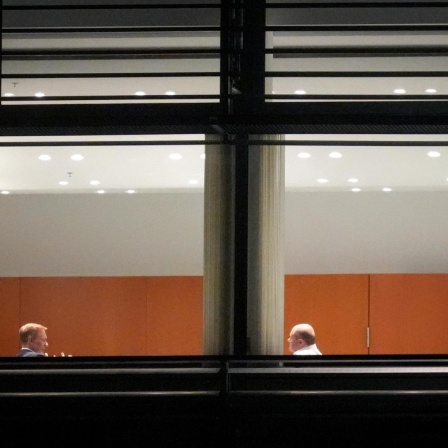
(162, 234)
(101, 235)
(366, 232)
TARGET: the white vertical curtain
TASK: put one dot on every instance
(266, 247)
(265, 286)
(218, 247)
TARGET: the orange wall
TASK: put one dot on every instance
(335, 305)
(9, 315)
(132, 316)
(105, 316)
(88, 316)
(409, 314)
(174, 316)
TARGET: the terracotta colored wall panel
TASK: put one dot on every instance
(408, 314)
(335, 305)
(9, 315)
(88, 316)
(175, 316)
(112, 316)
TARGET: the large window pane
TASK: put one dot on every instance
(101, 233)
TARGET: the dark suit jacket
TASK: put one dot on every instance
(28, 353)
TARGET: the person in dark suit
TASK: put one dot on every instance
(33, 339)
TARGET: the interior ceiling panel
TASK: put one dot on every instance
(145, 163)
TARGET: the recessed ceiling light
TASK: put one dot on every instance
(139, 93)
(170, 93)
(433, 154)
(39, 94)
(77, 157)
(304, 155)
(101, 191)
(63, 182)
(94, 182)
(322, 180)
(8, 94)
(175, 156)
(399, 91)
(44, 157)
(300, 92)
(5, 192)
(335, 155)
(193, 181)
(202, 156)
(387, 189)
(130, 191)
(356, 189)
(353, 180)
(431, 91)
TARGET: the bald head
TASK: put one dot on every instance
(305, 332)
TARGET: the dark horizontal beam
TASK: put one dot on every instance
(383, 50)
(161, 5)
(324, 4)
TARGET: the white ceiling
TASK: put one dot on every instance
(149, 168)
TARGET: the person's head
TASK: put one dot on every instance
(33, 336)
(301, 336)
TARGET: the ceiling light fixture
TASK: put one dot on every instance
(130, 191)
(193, 181)
(356, 189)
(63, 182)
(335, 155)
(300, 92)
(400, 91)
(140, 93)
(352, 180)
(94, 182)
(77, 157)
(8, 94)
(387, 189)
(44, 157)
(5, 192)
(433, 154)
(202, 156)
(39, 94)
(431, 91)
(170, 93)
(175, 156)
(101, 191)
(304, 155)
(322, 180)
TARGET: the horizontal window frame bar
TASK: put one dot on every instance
(365, 51)
(360, 27)
(111, 75)
(110, 6)
(393, 98)
(111, 143)
(308, 74)
(110, 52)
(343, 143)
(356, 74)
(380, 4)
(135, 98)
(115, 30)
(228, 140)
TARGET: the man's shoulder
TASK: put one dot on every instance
(28, 353)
